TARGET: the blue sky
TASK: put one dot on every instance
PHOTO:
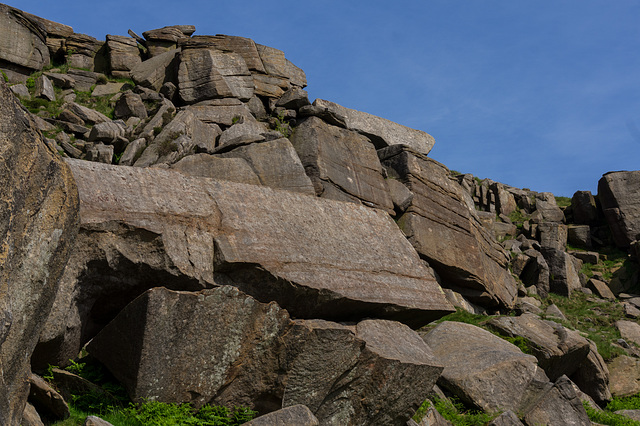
(543, 95)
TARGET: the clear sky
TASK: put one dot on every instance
(537, 94)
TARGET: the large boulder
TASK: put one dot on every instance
(154, 72)
(208, 74)
(244, 352)
(124, 55)
(557, 404)
(558, 349)
(618, 195)
(342, 164)
(23, 46)
(381, 131)
(482, 369)
(316, 257)
(39, 222)
(442, 224)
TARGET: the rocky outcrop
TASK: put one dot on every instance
(242, 351)
(346, 263)
(442, 225)
(618, 194)
(39, 210)
(296, 415)
(23, 46)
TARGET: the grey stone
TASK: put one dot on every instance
(106, 132)
(382, 132)
(49, 402)
(629, 330)
(20, 90)
(100, 153)
(558, 349)
(401, 196)
(245, 47)
(224, 112)
(618, 194)
(162, 117)
(601, 289)
(270, 86)
(208, 74)
(341, 158)
(239, 131)
(132, 152)
(625, 376)
(631, 414)
(631, 311)
(130, 105)
(154, 72)
(505, 201)
(295, 415)
(553, 312)
(481, 368)
(23, 41)
(63, 81)
(83, 80)
(44, 89)
(579, 236)
(87, 115)
(508, 418)
(214, 167)
(163, 39)
(84, 49)
(585, 211)
(40, 208)
(276, 64)
(30, 416)
(110, 88)
(591, 257)
(295, 98)
(276, 165)
(95, 421)
(557, 405)
(592, 376)
(546, 205)
(553, 235)
(564, 276)
(443, 226)
(124, 54)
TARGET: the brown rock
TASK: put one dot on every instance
(592, 376)
(557, 405)
(625, 376)
(23, 41)
(296, 415)
(124, 54)
(276, 64)
(30, 417)
(47, 400)
(601, 289)
(341, 158)
(442, 225)
(154, 72)
(481, 368)
(559, 350)
(629, 330)
(214, 167)
(39, 210)
(618, 194)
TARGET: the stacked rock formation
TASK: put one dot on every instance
(285, 250)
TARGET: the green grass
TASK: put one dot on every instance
(455, 411)
(98, 103)
(596, 320)
(563, 201)
(607, 417)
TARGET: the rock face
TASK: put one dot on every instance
(342, 164)
(245, 352)
(475, 360)
(334, 260)
(618, 193)
(382, 132)
(39, 211)
(442, 225)
(23, 46)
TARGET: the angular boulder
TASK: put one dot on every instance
(481, 368)
(342, 164)
(244, 352)
(214, 167)
(124, 54)
(40, 221)
(618, 195)
(558, 349)
(557, 405)
(23, 46)
(381, 131)
(442, 224)
(318, 258)
(296, 415)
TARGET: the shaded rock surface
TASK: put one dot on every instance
(251, 353)
(618, 193)
(39, 210)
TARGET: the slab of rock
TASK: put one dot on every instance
(481, 368)
(632, 414)
(546, 205)
(163, 39)
(559, 350)
(110, 88)
(87, 115)
(44, 89)
(130, 105)
(208, 74)
(601, 289)
(508, 418)
(23, 40)
(335, 259)
(625, 376)
(296, 415)
(47, 400)
(563, 271)
(251, 353)
(344, 159)
(629, 330)
(592, 376)
(124, 54)
(442, 225)
(154, 72)
(95, 421)
(618, 194)
(30, 416)
(276, 165)
(382, 132)
(585, 210)
(214, 167)
(40, 214)
(106, 132)
(276, 64)
(553, 235)
(270, 86)
(99, 153)
(579, 236)
(245, 47)
(557, 405)
(225, 112)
